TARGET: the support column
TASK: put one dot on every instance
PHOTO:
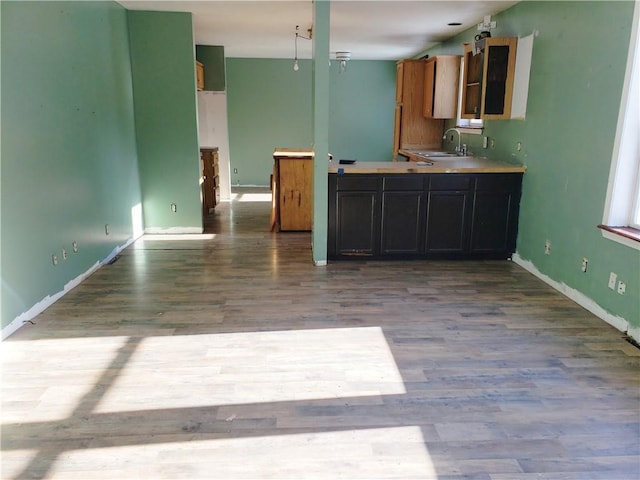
(321, 18)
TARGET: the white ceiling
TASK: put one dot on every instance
(369, 29)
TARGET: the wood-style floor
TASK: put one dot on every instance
(230, 356)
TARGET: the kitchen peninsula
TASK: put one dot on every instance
(452, 207)
(291, 187)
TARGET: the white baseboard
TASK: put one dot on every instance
(172, 230)
(49, 300)
(581, 299)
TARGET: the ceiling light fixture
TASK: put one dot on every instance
(296, 67)
(342, 58)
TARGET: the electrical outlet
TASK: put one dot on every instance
(493, 143)
(547, 247)
(54, 259)
(622, 287)
(518, 146)
(585, 264)
(64, 254)
(485, 142)
(74, 246)
(174, 208)
(235, 170)
(613, 277)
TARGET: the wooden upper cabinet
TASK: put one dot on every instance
(441, 78)
(199, 76)
(399, 82)
(411, 129)
(488, 79)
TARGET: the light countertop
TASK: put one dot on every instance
(301, 153)
(430, 165)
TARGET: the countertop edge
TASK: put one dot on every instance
(475, 166)
(293, 153)
(427, 170)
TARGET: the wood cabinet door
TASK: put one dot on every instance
(399, 82)
(441, 79)
(199, 76)
(498, 76)
(447, 79)
(295, 195)
(397, 126)
(429, 87)
(415, 130)
(471, 83)
(208, 162)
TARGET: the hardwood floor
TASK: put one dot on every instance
(230, 356)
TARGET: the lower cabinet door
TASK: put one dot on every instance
(448, 214)
(495, 214)
(491, 222)
(357, 224)
(402, 224)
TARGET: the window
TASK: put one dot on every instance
(621, 220)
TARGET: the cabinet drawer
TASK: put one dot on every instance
(357, 182)
(403, 182)
(450, 182)
(499, 182)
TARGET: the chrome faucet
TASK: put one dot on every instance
(444, 137)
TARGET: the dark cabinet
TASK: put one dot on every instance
(423, 215)
(495, 213)
(448, 214)
(447, 219)
(402, 215)
(354, 216)
(357, 229)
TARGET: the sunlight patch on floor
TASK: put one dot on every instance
(251, 197)
(254, 367)
(175, 237)
(74, 366)
(398, 452)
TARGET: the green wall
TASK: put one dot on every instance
(361, 109)
(577, 72)
(212, 57)
(269, 106)
(68, 149)
(164, 85)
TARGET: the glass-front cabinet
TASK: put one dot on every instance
(488, 79)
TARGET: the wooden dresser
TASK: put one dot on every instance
(210, 179)
(292, 190)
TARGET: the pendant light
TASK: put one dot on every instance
(296, 66)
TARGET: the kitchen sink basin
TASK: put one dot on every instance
(436, 154)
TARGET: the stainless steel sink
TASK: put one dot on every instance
(436, 154)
